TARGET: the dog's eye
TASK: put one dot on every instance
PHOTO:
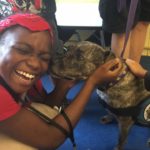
(79, 55)
(106, 54)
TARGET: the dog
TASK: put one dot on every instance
(125, 95)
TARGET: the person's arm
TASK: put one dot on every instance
(139, 71)
(58, 96)
(30, 129)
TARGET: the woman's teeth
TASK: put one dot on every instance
(25, 74)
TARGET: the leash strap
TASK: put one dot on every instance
(51, 122)
(131, 15)
(70, 127)
(128, 111)
(47, 120)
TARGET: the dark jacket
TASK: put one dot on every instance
(147, 81)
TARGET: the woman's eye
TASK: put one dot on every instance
(22, 50)
(45, 58)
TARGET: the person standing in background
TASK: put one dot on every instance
(115, 20)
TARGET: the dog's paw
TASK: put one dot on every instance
(148, 142)
(106, 119)
(118, 148)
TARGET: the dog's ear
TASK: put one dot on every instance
(108, 55)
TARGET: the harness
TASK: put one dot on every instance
(139, 113)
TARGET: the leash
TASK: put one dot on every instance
(130, 20)
(121, 5)
(69, 134)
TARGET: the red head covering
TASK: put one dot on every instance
(30, 21)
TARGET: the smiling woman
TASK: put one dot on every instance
(35, 54)
(36, 57)
(26, 43)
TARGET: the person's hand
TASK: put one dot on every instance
(136, 68)
(107, 72)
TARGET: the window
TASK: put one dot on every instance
(78, 13)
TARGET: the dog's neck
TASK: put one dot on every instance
(122, 75)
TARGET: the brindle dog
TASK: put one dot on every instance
(126, 92)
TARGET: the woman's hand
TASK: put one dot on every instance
(107, 72)
(136, 68)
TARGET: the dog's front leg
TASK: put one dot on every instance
(125, 124)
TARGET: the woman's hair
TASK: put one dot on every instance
(30, 21)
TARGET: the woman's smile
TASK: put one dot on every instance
(24, 61)
(23, 78)
(25, 75)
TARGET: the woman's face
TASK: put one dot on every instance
(24, 57)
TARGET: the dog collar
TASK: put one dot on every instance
(122, 75)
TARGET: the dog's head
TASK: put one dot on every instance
(80, 60)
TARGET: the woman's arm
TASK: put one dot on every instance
(30, 129)
(58, 96)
